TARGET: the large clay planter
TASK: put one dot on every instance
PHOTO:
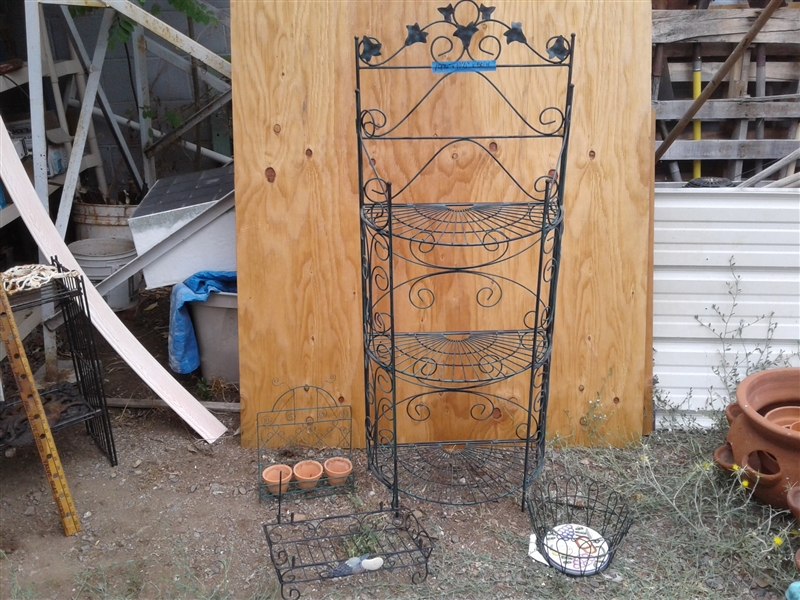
(769, 452)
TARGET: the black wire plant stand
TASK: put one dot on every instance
(305, 423)
(414, 245)
(65, 404)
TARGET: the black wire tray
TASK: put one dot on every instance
(316, 549)
(63, 405)
(460, 473)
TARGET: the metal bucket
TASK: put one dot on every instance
(102, 220)
(102, 257)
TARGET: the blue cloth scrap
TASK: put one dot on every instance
(184, 356)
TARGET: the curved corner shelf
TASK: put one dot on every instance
(462, 358)
(468, 225)
(463, 473)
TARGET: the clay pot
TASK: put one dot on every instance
(277, 478)
(337, 470)
(785, 416)
(307, 474)
(767, 450)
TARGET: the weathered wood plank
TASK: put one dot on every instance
(729, 109)
(681, 72)
(298, 226)
(728, 149)
(151, 403)
(675, 26)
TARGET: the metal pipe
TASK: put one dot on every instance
(220, 158)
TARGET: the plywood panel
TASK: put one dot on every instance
(297, 204)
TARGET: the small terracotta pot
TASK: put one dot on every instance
(277, 478)
(307, 474)
(337, 470)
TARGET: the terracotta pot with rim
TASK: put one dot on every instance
(337, 470)
(277, 478)
(766, 450)
(307, 474)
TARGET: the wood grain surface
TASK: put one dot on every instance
(297, 201)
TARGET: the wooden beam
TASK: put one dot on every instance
(141, 77)
(84, 122)
(681, 26)
(728, 149)
(196, 118)
(151, 403)
(719, 76)
(121, 339)
(177, 60)
(790, 158)
(681, 72)
(715, 110)
(105, 106)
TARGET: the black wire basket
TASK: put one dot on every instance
(579, 523)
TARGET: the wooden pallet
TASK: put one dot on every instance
(751, 120)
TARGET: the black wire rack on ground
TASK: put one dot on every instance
(305, 423)
(69, 295)
(579, 523)
(311, 550)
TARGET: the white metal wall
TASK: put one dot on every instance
(697, 233)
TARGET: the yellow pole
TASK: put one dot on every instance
(697, 85)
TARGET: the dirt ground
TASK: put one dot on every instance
(178, 518)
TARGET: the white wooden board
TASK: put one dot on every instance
(50, 243)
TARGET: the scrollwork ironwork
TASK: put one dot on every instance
(463, 21)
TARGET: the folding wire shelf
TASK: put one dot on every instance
(305, 423)
(85, 401)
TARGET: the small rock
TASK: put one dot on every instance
(193, 489)
(11, 452)
(137, 472)
(37, 496)
(372, 493)
(197, 535)
(191, 448)
(87, 514)
(762, 581)
(299, 517)
(113, 476)
(242, 491)
(86, 547)
(455, 539)
(418, 514)
(462, 481)
(137, 463)
(30, 511)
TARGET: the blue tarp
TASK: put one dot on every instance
(184, 357)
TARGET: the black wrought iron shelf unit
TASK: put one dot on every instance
(460, 225)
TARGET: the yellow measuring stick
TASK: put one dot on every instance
(36, 417)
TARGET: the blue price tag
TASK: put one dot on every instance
(464, 66)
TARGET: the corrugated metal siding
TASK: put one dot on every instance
(697, 234)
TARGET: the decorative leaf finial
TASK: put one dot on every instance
(514, 34)
(486, 12)
(558, 49)
(370, 48)
(447, 12)
(416, 35)
(465, 33)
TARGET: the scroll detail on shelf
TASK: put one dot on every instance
(459, 24)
